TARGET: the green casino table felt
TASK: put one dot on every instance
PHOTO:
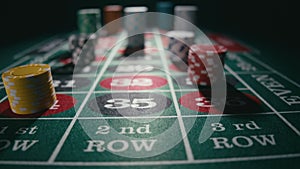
(104, 120)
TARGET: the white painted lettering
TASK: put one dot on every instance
(123, 146)
(24, 145)
(252, 126)
(221, 142)
(217, 127)
(264, 140)
(33, 130)
(98, 144)
(3, 129)
(144, 129)
(4, 144)
(144, 144)
(103, 130)
(127, 130)
(244, 144)
(238, 126)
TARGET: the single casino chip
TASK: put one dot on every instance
(135, 26)
(112, 13)
(202, 63)
(39, 92)
(88, 20)
(188, 13)
(29, 83)
(179, 42)
(37, 107)
(22, 73)
(43, 94)
(25, 97)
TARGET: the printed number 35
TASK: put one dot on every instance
(125, 103)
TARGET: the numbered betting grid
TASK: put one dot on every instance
(235, 133)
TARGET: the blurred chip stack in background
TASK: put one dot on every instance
(179, 43)
(202, 63)
(112, 13)
(188, 13)
(163, 21)
(135, 26)
(88, 23)
(82, 49)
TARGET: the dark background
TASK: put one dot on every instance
(267, 20)
(267, 25)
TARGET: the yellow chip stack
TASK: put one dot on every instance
(29, 88)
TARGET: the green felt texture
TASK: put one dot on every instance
(263, 134)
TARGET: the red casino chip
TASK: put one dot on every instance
(202, 61)
(208, 49)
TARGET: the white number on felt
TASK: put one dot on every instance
(125, 103)
(132, 82)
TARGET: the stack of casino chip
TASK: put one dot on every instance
(82, 49)
(188, 13)
(135, 26)
(202, 61)
(179, 42)
(112, 13)
(164, 21)
(88, 20)
(29, 88)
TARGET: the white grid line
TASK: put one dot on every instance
(187, 146)
(160, 73)
(67, 132)
(241, 89)
(249, 72)
(122, 91)
(263, 100)
(145, 117)
(162, 162)
(271, 69)
(18, 55)
(34, 47)
(15, 64)
(3, 99)
(148, 163)
(71, 92)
